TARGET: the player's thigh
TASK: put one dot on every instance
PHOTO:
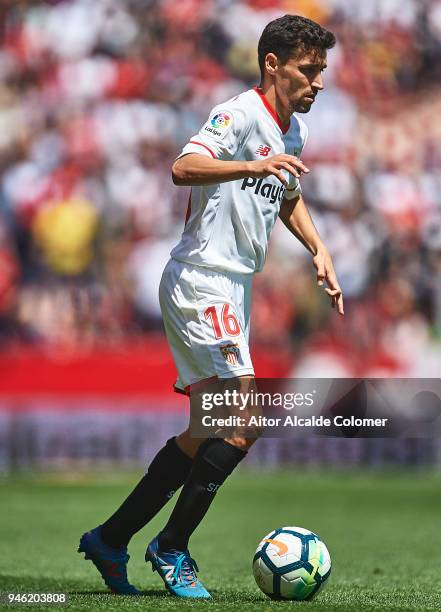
(176, 298)
(220, 310)
(203, 323)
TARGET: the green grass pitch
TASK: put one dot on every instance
(382, 529)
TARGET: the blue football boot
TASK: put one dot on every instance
(110, 562)
(178, 571)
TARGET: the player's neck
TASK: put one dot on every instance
(283, 113)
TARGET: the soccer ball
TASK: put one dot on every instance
(291, 563)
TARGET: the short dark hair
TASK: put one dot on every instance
(292, 34)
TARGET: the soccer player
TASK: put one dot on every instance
(244, 169)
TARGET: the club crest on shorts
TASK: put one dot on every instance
(231, 353)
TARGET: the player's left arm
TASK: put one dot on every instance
(295, 215)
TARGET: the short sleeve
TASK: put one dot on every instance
(294, 189)
(222, 135)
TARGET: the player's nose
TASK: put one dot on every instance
(318, 84)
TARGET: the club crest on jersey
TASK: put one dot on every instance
(267, 190)
(263, 150)
(231, 353)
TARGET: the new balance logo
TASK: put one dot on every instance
(168, 573)
(263, 150)
(111, 568)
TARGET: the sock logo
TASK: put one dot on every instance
(212, 487)
(170, 494)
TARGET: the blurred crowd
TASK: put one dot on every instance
(98, 98)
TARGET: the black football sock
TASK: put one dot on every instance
(213, 463)
(167, 472)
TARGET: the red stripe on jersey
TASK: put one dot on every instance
(271, 110)
(188, 213)
(205, 147)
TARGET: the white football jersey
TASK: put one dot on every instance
(228, 225)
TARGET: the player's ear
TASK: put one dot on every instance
(271, 63)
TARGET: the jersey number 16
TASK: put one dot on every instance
(230, 323)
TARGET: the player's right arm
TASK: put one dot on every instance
(213, 155)
(195, 169)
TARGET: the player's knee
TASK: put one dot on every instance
(241, 442)
(187, 444)
(253, 431)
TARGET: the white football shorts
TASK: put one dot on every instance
(206, 317)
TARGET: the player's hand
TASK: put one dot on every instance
(326, 273)
(274, 165)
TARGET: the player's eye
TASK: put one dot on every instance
(312, 69)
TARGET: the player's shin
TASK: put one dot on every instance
(213, 463)
(166, 473)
